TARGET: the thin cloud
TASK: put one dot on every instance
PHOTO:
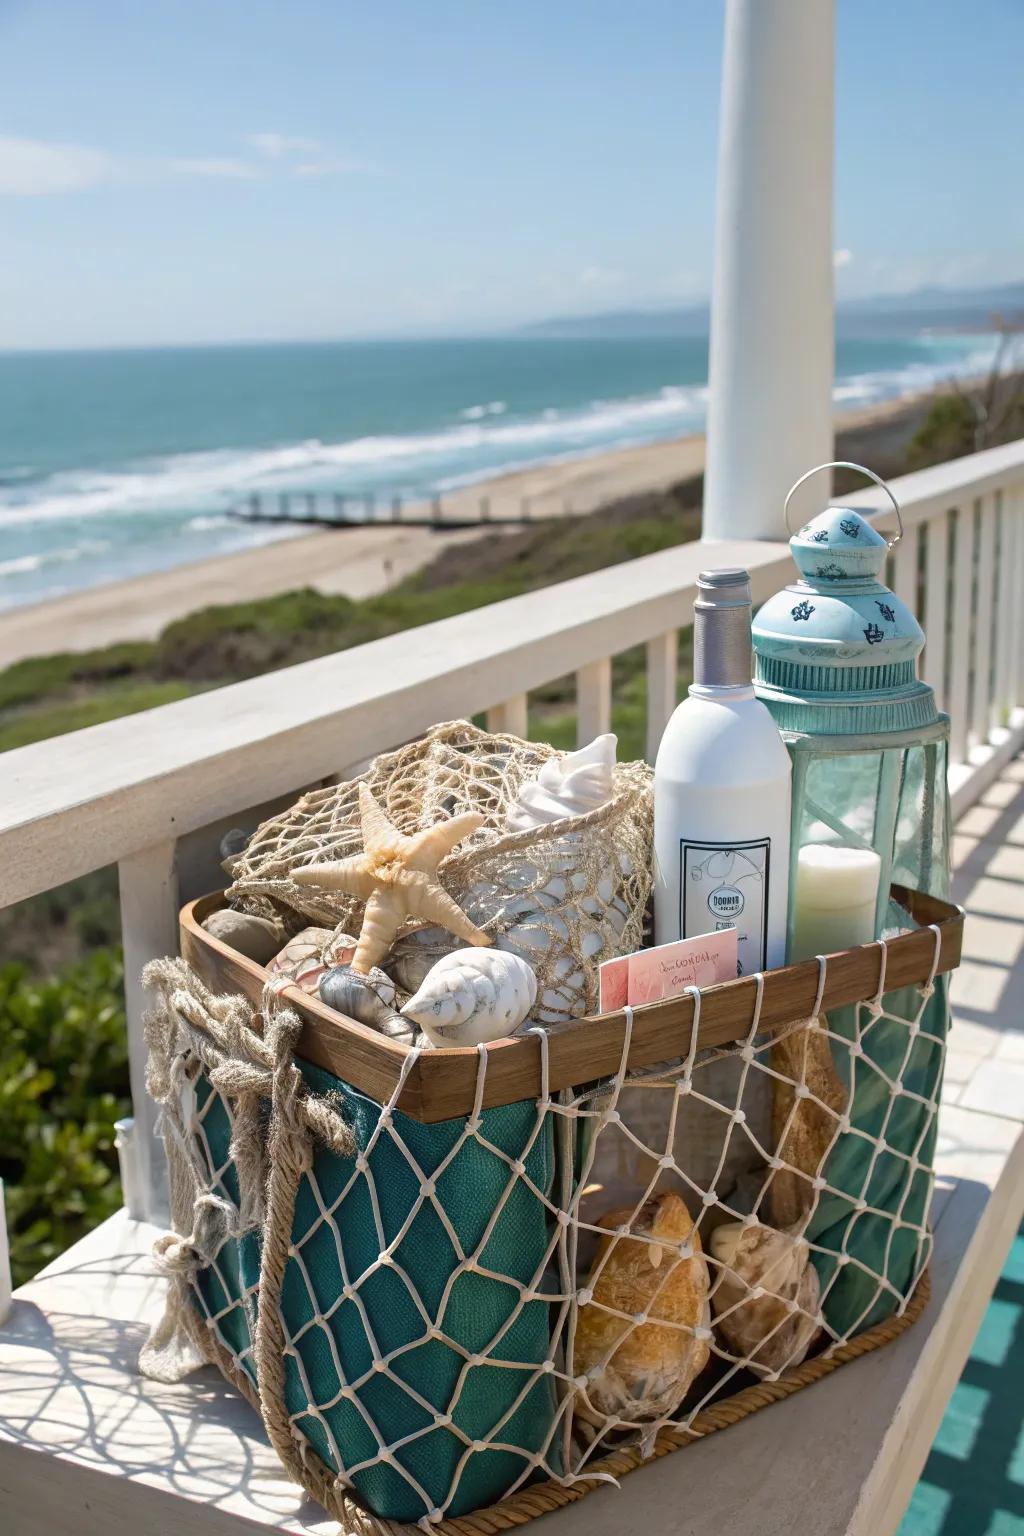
(34, 168)
(38, 168)
(841, 258)
(278, 146)
(302, 157)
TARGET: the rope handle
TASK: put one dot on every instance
(860, 469)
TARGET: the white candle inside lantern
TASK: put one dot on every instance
(834, 899)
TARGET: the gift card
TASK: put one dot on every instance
(650, 975)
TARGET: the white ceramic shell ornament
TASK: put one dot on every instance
(570, 785)
(473, 996)
(567, 786)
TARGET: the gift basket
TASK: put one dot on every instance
(467, 1242)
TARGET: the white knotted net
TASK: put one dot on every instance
(434, 1317)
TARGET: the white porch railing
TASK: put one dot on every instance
(154, 792)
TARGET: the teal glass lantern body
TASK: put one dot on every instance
(836, 663)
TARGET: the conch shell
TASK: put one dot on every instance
(641, 1371)
(766, 1295)
(472, 996)
(569, 785)
(802, 1057)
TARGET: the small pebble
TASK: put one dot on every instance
(257, 938)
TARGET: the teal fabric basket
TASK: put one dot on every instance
(337, 1301)
(873, 1215)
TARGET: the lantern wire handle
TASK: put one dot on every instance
(861, 470)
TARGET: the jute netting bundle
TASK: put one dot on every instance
(564, 896)
(433, 1318)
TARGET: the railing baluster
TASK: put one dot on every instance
(1016, 676)
(960, 660)
(983, 616)
(662, 682)
(1005, 602)
(149, 928)
(6, 1284)
(132, 1192)
(593, 700)
(935, 583)
(509, 718)
(906, 560)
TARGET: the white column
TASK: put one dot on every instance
(771, 361)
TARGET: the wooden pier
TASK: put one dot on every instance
(337, 509)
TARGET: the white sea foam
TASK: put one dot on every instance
(207, 482)
(483, 441)
(206, 523)
(23, 565)
(478, 412)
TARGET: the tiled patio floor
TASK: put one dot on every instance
(973, 1484)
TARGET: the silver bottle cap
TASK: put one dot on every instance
(721, 629)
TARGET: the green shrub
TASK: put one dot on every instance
(947, 432)
(63, 1084)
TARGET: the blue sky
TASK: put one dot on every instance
(190, 170)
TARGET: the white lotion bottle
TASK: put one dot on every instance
(722, 789)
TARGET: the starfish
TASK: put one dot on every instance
(396, 876)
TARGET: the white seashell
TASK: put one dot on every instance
(473, 996)
(567, 786)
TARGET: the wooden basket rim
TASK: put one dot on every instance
(442, 1084)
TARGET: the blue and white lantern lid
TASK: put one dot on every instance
(836, 650)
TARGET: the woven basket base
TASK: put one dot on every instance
(543, 1498)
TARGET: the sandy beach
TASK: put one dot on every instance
(355, 562)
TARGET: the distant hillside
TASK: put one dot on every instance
(925, 308)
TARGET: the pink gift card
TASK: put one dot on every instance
(613, 982)
(651, 975)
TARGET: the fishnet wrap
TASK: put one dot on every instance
(565, 896)
(247, 1059)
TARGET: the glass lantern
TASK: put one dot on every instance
(836, 664)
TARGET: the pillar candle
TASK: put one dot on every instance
(834, 899)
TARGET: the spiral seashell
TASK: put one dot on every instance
(569, 785)
(472, 996)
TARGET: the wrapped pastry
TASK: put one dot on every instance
(642, 1370)
(765, 1296)
(803, 1135)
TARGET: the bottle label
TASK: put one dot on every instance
(725, 885)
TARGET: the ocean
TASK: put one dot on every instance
(117, 463)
